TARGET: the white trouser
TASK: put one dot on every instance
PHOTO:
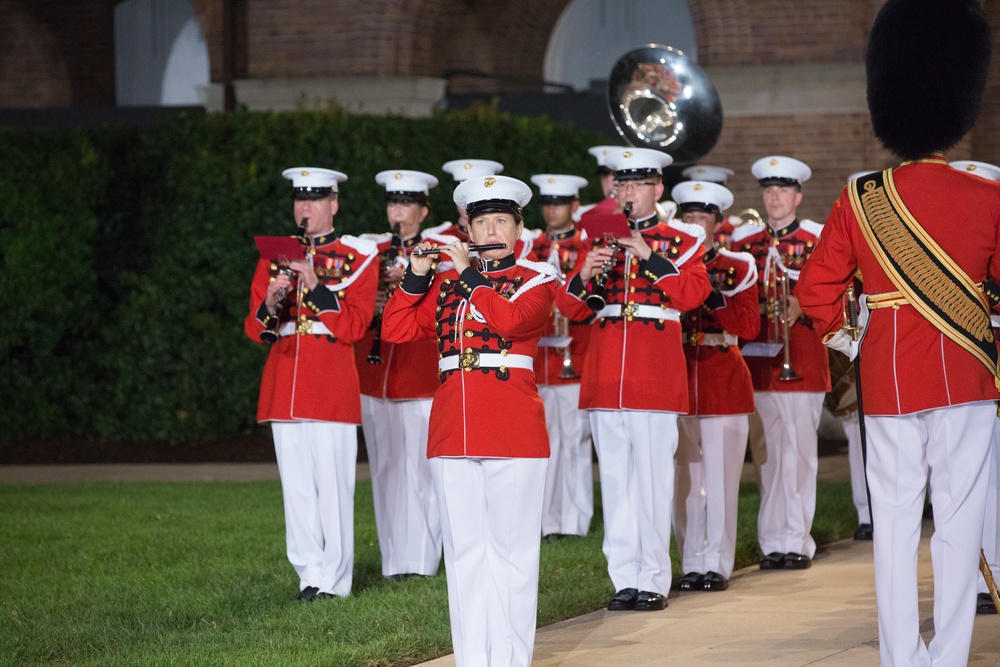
(635, 452)
(569, 483)
(710, 455)
(317, 462)
(991, 519)
(406, 507)
(953, 445)
(788, 477)
(491, 515)
(859, 491)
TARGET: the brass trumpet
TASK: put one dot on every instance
(596, 299)
(777, 306)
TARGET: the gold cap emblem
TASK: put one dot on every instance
(627, 154)
(971, 167)
(698, 187)
(773, 161)
(467, 165)
(305, 173)
(551, 180)
(489, 182)
(398, 175)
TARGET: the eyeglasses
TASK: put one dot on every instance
(625, 186)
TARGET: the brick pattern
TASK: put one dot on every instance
(834, 147)
(775, 32)
(52, 57)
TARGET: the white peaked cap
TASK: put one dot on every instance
(780, 170)
(638, 160)
(707, 172)
(601, 153)
(984, 169)
(313, 182)
(492, 194)
(702, 194)
(401, 180)
(564, 186)
(465, 169)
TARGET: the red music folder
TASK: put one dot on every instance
(279, 248)
(599, 224)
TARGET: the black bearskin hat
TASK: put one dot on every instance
(926, 64)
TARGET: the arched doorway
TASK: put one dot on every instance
(592, 34)
(161, 58)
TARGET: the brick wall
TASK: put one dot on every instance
(62, 54)
(56, 54)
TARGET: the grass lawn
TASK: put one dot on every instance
(195, 574)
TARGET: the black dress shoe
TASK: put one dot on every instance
(324, 596)
(984, 604)
(863, 531)
(795, 561)
(713, 581)
(647, 601)
(307, 594)
(773, 561)
(690, 582)
(623, 600)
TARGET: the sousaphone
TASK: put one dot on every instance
(659, 98)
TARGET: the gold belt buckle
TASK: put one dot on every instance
(631, 309)
(304, 327)
(468, 361)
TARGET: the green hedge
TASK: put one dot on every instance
(126, 255)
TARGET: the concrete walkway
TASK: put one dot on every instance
(821, 616)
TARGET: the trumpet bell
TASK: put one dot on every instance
(659, 98)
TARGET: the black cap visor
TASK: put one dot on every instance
(492, 206)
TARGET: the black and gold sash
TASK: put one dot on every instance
(921, 270)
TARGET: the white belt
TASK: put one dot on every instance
(306, 327)
(470, 361)
(710, 339)
(643, 312)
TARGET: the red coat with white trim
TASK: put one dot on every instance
(311, 376)
(907, 365)
(718, 378)
(562, 249)
(792, 245)
(636, 362)
(408, 370)
(502, 310)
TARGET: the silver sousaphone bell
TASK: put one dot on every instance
(659, 98)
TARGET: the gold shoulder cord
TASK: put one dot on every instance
(922, 271)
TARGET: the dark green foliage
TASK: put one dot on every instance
(126, 256)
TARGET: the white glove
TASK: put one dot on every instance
(841, 341)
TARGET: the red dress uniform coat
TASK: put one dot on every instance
(793, 246)
(635, 360)
(907, 365)
(718, 378)
(310, 376)
(408, 370)
(482, 412)
(563, 249)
